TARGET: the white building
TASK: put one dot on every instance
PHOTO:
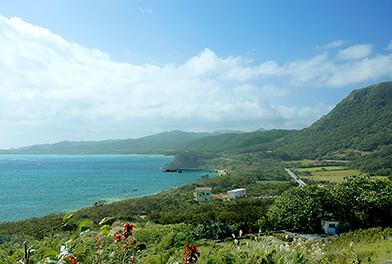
(237, 193)
(329, 226)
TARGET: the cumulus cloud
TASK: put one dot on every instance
(389, 46)
(322, 70)
(52, 89)
(355, 52)
(352, 65)
(333, 44)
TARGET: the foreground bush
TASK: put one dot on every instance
(150, 243)
(362, 201)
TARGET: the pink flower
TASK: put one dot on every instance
(351, 244)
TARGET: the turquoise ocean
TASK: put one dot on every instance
(38, 185)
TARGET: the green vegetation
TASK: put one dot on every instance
(233, 141)
(379, 162)
(151, 243)
(325, 173)
(361, 201)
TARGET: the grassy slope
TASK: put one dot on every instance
(232, 141)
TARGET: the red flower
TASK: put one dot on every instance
(118, 237)
(72, 260)
(191, 254)
(131, 243)
(127, 230)
(99, 242)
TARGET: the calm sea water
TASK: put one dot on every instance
(38, 185)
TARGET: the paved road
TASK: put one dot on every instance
(298, 180)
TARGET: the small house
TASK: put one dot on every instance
(237, 193)
(329, 227)
(203, 194)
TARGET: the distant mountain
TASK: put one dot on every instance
(162, 143)
(227, 131)
(168, 142)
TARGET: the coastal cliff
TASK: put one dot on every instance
(190, 159)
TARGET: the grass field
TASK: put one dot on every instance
(270, 182)
(330, 173)
(325, 168)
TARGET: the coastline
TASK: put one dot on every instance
(132, 191)
(120, 200)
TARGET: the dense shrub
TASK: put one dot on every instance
(361, 201)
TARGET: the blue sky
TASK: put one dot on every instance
(93, 70)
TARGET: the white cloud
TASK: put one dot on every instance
(333, 44)
(314, 71)
(322, 70)
(51, 90)
(351, 65)
(364, 70)
(389, 46)
(146, 10)
(355, 52)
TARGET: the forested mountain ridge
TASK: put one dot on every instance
(233, 141)
(362, 122)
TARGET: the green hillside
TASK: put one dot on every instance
(232, 141)
(361, 122)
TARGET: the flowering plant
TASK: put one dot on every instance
(191, 254)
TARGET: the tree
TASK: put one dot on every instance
(364, 201)
(301, 208)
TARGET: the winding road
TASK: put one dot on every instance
(298, 180)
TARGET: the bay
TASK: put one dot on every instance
(38, 185)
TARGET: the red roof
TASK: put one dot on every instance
(221, 195)
(203, 188)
